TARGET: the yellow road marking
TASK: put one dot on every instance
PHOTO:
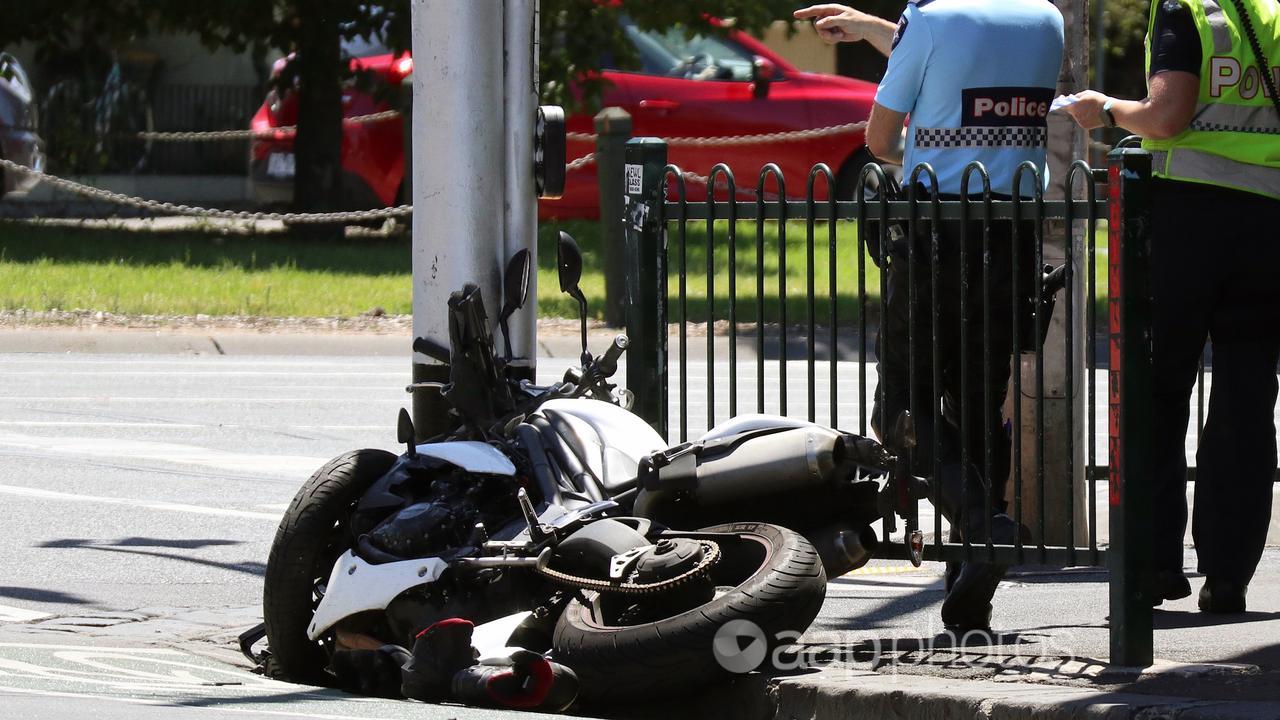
(885, 570)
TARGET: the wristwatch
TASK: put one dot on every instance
(1107, 117)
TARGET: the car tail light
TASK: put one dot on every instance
(401, 69)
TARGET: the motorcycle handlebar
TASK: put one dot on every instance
(609, 361)
(431, 349)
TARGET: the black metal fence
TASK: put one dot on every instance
(1051, 472)
(88, 130)
(202, 108)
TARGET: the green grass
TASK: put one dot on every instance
(45, 267)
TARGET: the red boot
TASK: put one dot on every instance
(526, 681)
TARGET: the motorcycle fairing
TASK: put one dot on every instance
(355, 586)
(470, 455)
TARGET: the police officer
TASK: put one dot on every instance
(1211, 121)
(976, 78)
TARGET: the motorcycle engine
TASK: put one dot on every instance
(430, 510)
(417, 530)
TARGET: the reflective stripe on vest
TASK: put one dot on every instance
(1199, 166)
(1218, 23)
(1215, 117)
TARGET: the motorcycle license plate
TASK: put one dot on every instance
(280, 165)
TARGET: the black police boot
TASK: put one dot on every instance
(953, 566)
(1169, 585)
(525, 681)
(968, 602)
(439, 652)
(370, 672)
(1220, 595)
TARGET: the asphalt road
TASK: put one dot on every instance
(141, 493)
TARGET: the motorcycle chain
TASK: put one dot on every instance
(710, 558)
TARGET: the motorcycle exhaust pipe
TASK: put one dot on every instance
(844, 548)
(788, 461)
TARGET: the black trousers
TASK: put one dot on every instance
(973, 344)
(1215, 273)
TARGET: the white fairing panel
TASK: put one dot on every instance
(472, 456)
(619, 439)
(747, 423)
(493, 639)
(355, 586)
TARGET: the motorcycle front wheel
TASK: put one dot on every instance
(768, 576)
(312, 535)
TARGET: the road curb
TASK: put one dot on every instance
(858, 694)
(840, 693)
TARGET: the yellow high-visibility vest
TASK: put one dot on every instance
(1234, 139)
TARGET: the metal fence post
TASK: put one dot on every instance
(613, 130)
(644, 178)
(1130, 412)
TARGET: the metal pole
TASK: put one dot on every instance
(458, 126)
(520, 31)
(644, 178)
(1129, 437)
(613, 130)
(1064, 484)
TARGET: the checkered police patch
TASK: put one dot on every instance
(970, 137)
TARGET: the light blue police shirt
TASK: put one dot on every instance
(977, 78)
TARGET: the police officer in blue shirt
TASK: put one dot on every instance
(976, 79)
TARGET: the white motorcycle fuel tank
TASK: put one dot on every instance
(611, 441)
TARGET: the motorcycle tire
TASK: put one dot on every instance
(311, 536)
(780, 590)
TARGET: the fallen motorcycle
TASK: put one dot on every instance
(618, 556)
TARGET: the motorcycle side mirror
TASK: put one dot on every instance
(405, 432)
(515, 291)
(569, 265)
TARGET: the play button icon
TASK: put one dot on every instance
(740, 646)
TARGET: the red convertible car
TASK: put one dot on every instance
(685, 88)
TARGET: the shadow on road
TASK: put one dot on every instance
(129, 546)
(41, 595)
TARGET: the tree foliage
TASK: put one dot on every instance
(1125, 26)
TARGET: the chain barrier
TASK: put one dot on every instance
(765, 138)
(380, 213)
(581, 162)
(728, 140)
(191, 210)
(215, 135)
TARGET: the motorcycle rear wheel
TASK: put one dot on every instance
(769, 576)
(311, 536)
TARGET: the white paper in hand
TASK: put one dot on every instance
(1063, 101)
